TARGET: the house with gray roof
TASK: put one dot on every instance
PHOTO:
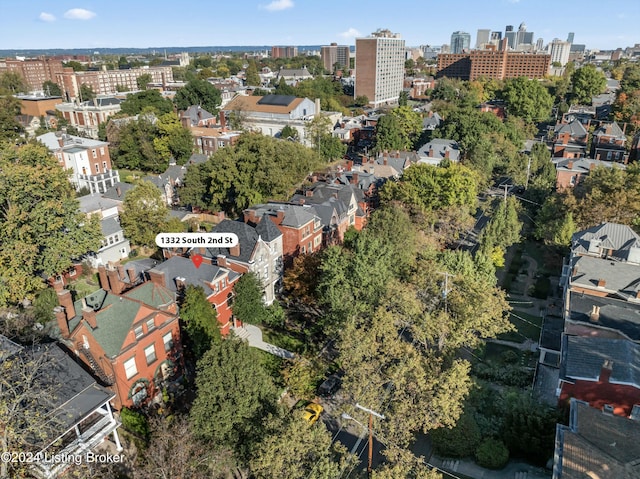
(570, 172)
(570, 140)
(609, 143)
(195, 115)
(608, 240)
(259, 251)
(292, 76)
(596, 444)
(70, 410)
(169, 183)
(604, 372)
(431, 121)
(438, 149)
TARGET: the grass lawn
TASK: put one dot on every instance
(283, 339)
(527, 325)
(85, 285)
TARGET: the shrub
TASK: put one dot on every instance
(461, 441)
(135, 422)
(492, 454)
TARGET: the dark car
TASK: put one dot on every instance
(330, 386)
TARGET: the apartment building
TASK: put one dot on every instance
(34, 71)
(333, 54)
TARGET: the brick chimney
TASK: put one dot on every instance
(102, 276)
(447, 152)
(605, 371)
(121, 273)
(595, 313)
(565, 138)
(223, 121)
(592, 166)
(61, 319)
(89, 315)
(157, 277)
(235, 250)
(431, 152)
(354, 178)
(115, 283)
(131, 273)
(65, 300)
(221, 260)
(249, 215)
(601, 283)
(279, 219)
(570, 165)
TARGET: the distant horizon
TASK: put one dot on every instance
(91, 25)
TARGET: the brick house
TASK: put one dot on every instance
(569, 140)
(300, 226)
(603, 372)
(216, 281)
(570, 172)
(609, 143)
(130, 340)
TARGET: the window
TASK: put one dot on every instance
(130, 368)
(104, 166)
(115, 238)
(167, 339)
(102, 150)
(97, 167)
(94, 153)
(150, 353)
(110, 239)
(266, 272)
(85, 342)
(138, 332)
(150, 324)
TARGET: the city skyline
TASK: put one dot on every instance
(67, 24)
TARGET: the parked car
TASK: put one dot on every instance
(312, 412)
(330, 386)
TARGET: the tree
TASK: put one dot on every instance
(403, 99)
(42, 230)
(133, 147)
(51, 88)
(234, 395)
(148, 100)
(527, 99)
(143, 80)
(198, 92)
(289, 132)
(174, 141)
(251, 75)
(248, 306)
(12, 82)
(10, 128)
(492, 454)
(301, 279)
(76, 66)
(361, 100)
(86, 92)
(296, 451)
(144, 214)
(459, 441)
(398, 130)
(587, 82)
(200, 320)
(503, 229)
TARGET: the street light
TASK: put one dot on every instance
(371, 414)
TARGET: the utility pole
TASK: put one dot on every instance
(445, 290)
(526, 185)
(371, 414)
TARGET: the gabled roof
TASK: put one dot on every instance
(574, 128)
(117, 191)
(94, 202)
(613, 236)
(620, 278)
(583, 165)
(195, 114)
(596, 445)
(613, 314)
(267, 229)
(610, 129)
(247, 239)
(583, 357)
(440, 148)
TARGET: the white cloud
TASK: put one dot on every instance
(79, 14)
(351, 33)
(47, 17)
(278, 5)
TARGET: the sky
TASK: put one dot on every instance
(95, 24)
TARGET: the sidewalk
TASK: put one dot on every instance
(513, 469)
(253, 335)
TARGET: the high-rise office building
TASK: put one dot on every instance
(539, 44)
(379, 67)
(482, 38)
(523, 37)
(570, 37)
(559, 51)
(460, 42)
(333, 54)
(510, 35)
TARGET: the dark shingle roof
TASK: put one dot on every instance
(195, 113)
(614, 314)
(247, 239)
(117, 191)
(574, 128)
(179, 267)
(267, 229)
(110, 225)
(584, 357)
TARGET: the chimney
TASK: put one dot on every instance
(235, 250)
(118, 191)
(601, 283)
(354, 178)
(397, 153)
(431, 152)
(89, 315)
(605, 372)
(447, 152)
(384, 160)
(115, 284)
(317, 105)
(65, 300)
(565, 138)
(58, 284)
(595, 313)
(61, 318)
(223, 121)
(131, 273)
(180, 283)
(570, 165)
(102, 276)
(157, 277)
(249, 216)
(592, 166)
(221, 260)
(121, 273)
(279, 217)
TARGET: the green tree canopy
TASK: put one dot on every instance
(527, 99)
(198, 92)
(587, 82)
(174, 141)
(86, 92)
(234, 396)
(144, 214)
(51, 88)
(248, 306)
(10, 128)
(398, 130)
(41, 227)
(143, 80)
(200, 320)
(148, 100)
(251, 74)
(12, 82)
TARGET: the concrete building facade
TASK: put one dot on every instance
(379, 67)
